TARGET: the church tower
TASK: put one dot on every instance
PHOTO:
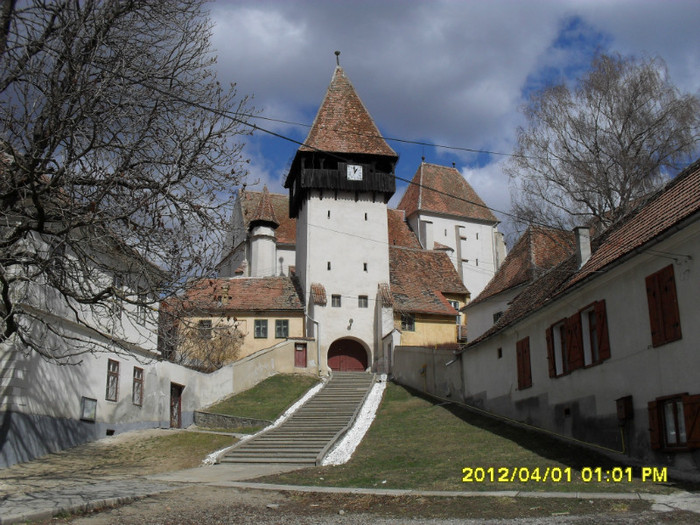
(339, 184)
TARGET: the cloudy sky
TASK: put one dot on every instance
(448, 73)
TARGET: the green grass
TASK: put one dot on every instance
(416, 443)
(268, 399)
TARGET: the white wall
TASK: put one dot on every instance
(635, 368)
(347, 241)
(480, 315)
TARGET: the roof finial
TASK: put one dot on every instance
(337, 57)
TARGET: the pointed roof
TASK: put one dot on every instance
(286, 233)
(264, 212)
(343, 124)
(453, 195)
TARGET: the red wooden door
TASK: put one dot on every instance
(300, 355)
(346, 355)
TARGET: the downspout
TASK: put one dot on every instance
(318, 342)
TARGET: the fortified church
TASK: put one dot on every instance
(368, 278)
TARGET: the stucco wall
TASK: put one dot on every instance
(582, 404)
(427, 370)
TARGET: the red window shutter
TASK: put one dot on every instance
(522, 348)
(574, 342)
(691, 410)
(550, 353)
(654, 425)
(601, 319)
(655, 313)
(669, 305)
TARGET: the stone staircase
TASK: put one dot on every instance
(308, 435)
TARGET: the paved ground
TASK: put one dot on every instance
(219, 494)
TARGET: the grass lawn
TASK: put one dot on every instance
(268, 399)
(416, 443)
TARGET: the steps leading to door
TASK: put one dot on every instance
(309, 434)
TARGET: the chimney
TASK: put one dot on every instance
(583, 244)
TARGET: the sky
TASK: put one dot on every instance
(442, 73)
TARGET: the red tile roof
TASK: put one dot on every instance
(537, 250)
(242, 294)
(264, 211)
(343, 124)
(440, 189)
(400, 233)
(286, 232)
(318, 294)
(677, 202)
(419, 278)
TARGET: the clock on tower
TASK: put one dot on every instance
(354, 172)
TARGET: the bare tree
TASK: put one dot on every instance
(118, 163)
(206, 344)
(593, 151)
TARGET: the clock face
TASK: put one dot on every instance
(354, 172)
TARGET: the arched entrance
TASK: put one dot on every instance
(347, 355)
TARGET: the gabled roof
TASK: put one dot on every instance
(454, 195)
(672, 206)
(343, 124)
(286, 232)
(419, 278)
(400, 233)
(264, 211)
(243, 294)
(537, 250)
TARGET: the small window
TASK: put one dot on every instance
(674, 422)
(664, 317)
(329, 214)
(137, 390)
(477, 236)
(328, 265)
(365, 215)
(112, 393)
(445, 232)
(458, 317)
(497, 316)
(260, 331)
(281, 328)
(204, 329)
(88, 409)
(500, 353)
(408, 322)
(335, 301)
(364, 266)
(362, 301)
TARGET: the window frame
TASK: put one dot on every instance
(363, 301)
(408, 322)
(112, 380)
(260, 329)
(281, 327)
(690, 422)
(137, 387)
(336, 301)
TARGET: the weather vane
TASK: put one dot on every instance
(337, 57)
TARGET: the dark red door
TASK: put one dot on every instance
(346, 355)
(300, 355)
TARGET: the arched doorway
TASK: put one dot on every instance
(347, 355)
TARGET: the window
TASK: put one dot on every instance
(335, 301)
(88, 409)
(281, 328)
(364, 266)
(137, 390)
(260, 330)
(408, 322)
(141, 308)
(578, 341)
(112, 380)
(328, 265)
(674, 422)
(500, 353)
(522, 351)
(365, 215)
(497, 316)
(204, 329)
(362, 301)
(458, 317)
(664, 317)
